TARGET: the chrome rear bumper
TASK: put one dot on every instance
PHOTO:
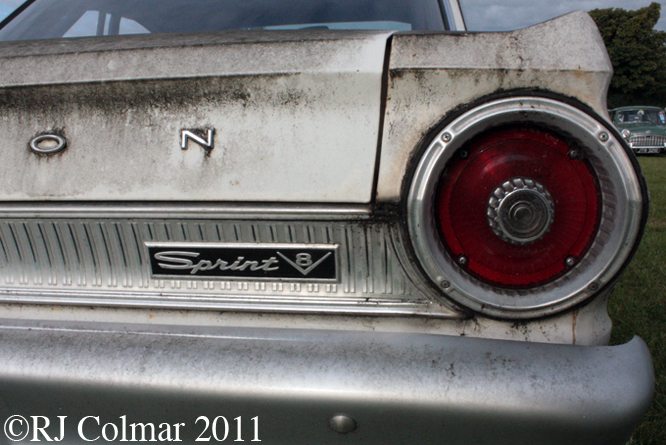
(286, 385)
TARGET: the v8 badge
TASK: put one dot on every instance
(303, 262)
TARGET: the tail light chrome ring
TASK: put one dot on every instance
(619, 218)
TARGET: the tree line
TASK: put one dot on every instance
(638, 54)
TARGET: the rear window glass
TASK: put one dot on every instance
(45, 19)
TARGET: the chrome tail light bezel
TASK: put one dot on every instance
(624, 212)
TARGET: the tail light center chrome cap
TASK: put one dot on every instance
(520, 211)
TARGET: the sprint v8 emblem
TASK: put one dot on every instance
(293, 262)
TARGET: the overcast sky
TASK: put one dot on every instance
(499, 15)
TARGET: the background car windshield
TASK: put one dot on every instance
(640, 116)
(78, 18)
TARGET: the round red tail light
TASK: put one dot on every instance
(518, 207)
(525, 206)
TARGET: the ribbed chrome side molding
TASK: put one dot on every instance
(75, 258)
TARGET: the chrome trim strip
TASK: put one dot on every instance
(185, 210)
(425, 387)
(619, 227)
(382, 307)
(456, 18)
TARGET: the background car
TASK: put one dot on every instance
(644, 128)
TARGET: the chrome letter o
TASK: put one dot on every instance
(48, 144)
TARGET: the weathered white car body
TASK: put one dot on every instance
(289, 140)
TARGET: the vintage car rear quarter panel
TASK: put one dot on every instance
(96, 335)
(126, 129)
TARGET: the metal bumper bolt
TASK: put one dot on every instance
(342, 424)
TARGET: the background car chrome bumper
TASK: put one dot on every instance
(397, 388)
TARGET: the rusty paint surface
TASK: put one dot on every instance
(285, 111)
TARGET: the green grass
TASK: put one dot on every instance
(638, 303)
